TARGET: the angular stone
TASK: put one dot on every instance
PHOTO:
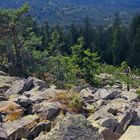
(49, 110)
(42, 126)
(3, 135)
(132, 133)
(109, 122)
(73, 127)
(19, 87)
(20, 128)
(124, 120)
(52, 92)
(6, 83)
(108, 134)
(106, 94)
(119, 105)
(100, 114)
(24, 101)
(39, 84)
(129, 95)
(35, 95)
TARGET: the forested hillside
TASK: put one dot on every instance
(28, 47)
(66, 12)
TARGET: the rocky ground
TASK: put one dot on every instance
(29, 110)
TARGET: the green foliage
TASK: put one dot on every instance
(75, 102)
(138, 92)
(86, 61)
(71, 54)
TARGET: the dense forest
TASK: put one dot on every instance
(64, 53)
(66, 12)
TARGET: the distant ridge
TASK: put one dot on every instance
(74, 11)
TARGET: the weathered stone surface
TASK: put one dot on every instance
(103, 118)
(106, 94)
(19, 87)
(109, 122)
(52, 92)
(87, 93)
(3, 135)
(100, 114)
(42, 126)
(118, 105)
(124, 120)
(24, 101)
(20, 128)
(129, 95)
(35, 95)
(74, 127)
(49, 110)
(39, 84)
(6, 83)
(108, 134)
(132, 133)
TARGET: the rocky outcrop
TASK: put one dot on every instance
(74, 127)
(106, 94)
(20, 128)
(48, 110)
(19, 87)
(30, 109)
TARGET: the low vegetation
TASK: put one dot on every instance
(72, 102)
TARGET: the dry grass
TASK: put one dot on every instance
(12, 110)
(15, 115)
(72, 101)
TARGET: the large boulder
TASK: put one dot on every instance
(21, 128)
(105, 93)
(39, 84)
(102, 118)
(48, 110)
(24, 101)
(118, 105)
(124, 120)
(35, 95)
(74, 127)
(19, 87)
(109, 122)
(6, 82)
(42, 126)
(129, 95)
(132, 133)
(52, 92)
(87, 93)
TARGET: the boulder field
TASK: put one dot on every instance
(30, 109)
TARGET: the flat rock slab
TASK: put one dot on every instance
(132, 133)
(74, 127)
(20, 128)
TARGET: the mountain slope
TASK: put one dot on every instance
(69, 11)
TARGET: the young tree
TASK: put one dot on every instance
(86, 61)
